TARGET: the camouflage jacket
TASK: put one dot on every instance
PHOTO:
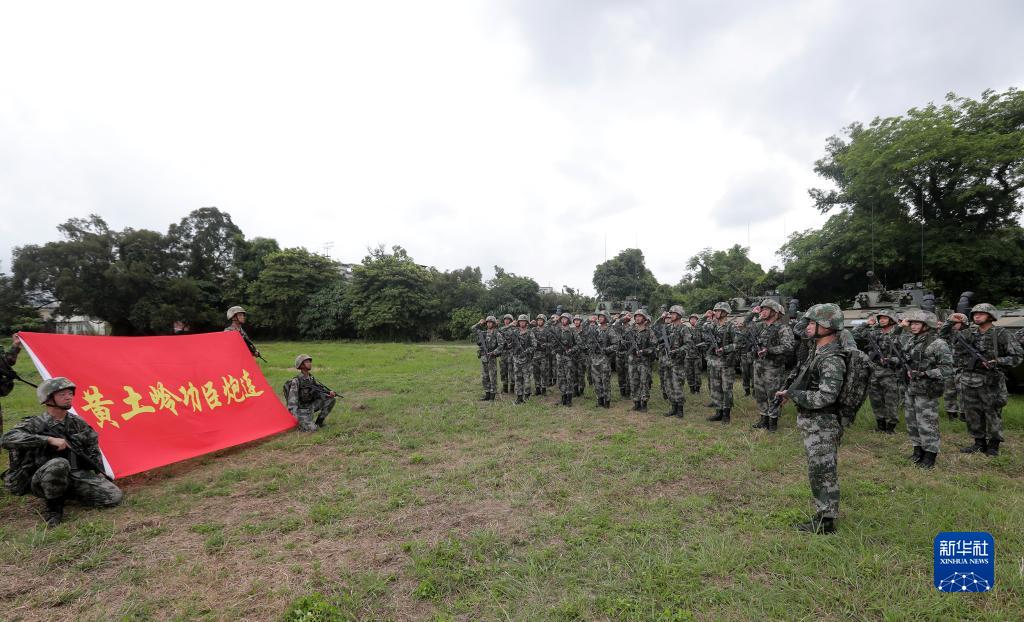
(542, 337)
(29, 448)
(995, 344)
(567, 341)
(302, 391)
(490, 342)
(819, 380)
(777, 338)
(931, 362)
(603, 342)
(644, 345)
(245, 337)
(680, 342)
(521, 344)
(724, 335)
(622, 328)
(880, 347)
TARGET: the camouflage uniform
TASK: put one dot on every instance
(522, 343)
(644, 348)
(237, 328)
(884, 390)
(721, 367)
(308, 400)
(505, 358)
(581, 361)
(745, 337)
(552, 329)
(622, 355)
(660, 328)
(541, 371)
(602, 343)
(10, 357)
(38, 468)
(565, 349)
(680, 340)
(770, 369)
(982, 390)
(815, 393)
(931, 362)
(491, 344)
(693, 357)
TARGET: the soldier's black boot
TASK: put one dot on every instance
(762, 424)
(746, 391)
(917, 455)
(519, 399)
(54, 511)
(486, 397)
(953, 416)
(717, 416)
(773, 424)
(993, 448)
(881, 425)
(979, 445)
(568, 400)
(636, 406)
(927, 460)
(819, 524)
(536, 390)
(672, 412)
(726, 415)
(320, 421)
(679, 412)
(890, 427)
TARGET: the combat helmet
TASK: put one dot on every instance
(540, 316)
(642, 313)
(565, 315)
(987, 308)
(768, 303)
(925, 317)
(302, 358)
(958, 317)
(577, 318)
(723, 306)
(523, 318)
(235, 310)
(887, 313)
(491, 318)
(507, 316)
(828, 315)
(678, 310)
(51, 385)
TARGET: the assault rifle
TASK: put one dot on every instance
(252, 347)
(795, 381)
(8, 375)
(979, 357)
(78, 457)
(874, 346)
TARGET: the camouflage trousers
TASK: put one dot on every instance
(552, 369)
(768, 378)
(601, 372)
(55, 479)
(747, 371)
(505, 366)
(565, 367)
(721, 376)
(982, 397)
(579, 375)
(640, 379)
(522, 369)
(951, 396)
(663, 380)
(489, 373)
(622, 369)
(822, 434)
(541, 371)
(312, 415)
(675, 382)
(692, 367)
(922, 414)
(884, 394)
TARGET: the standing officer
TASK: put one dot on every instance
(720, 335)
(491, 345)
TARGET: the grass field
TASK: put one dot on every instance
(418, 502)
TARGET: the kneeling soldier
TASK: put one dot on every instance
(306, 396)
(56, 455)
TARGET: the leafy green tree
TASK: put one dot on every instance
(327, 313)
(281, 291)
(510, 293)
(389, 294)
(714, 276)
(954, 171)
(624, 276)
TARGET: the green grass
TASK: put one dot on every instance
(419, 502)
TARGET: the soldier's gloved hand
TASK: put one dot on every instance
(58, 443)
(782, 396)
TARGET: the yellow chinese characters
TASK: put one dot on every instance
(98, 406)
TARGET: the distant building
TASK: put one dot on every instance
(71, 324)
(545, 290)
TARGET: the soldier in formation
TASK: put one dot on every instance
(815, 390)
(236, 318)
(552, 328)
(542, 336)
(566, 346)
(602, 344)
(720, 336)
(694, 355)
(677, 341)
(8, 359)
(306, 398)
(745, 328)
(522, 343)
(492, 344)
(621, 326)
(580, 360)
(979, 355)
(881, 343)
(772, 343)
(505, 358)
(930, 362)
(643, 347)
(56, 455)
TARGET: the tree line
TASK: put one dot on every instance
(933, 195)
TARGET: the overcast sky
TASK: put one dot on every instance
(538, 135)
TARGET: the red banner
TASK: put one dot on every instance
(158, 400)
